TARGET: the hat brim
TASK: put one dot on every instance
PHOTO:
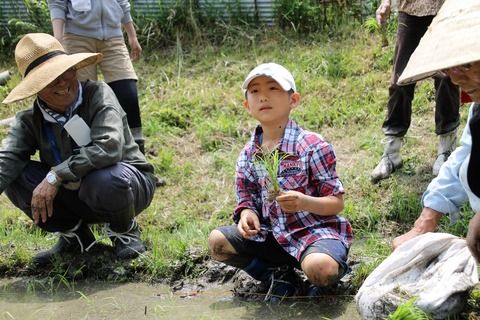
(452, 39)
(39, 77)
(282, 82)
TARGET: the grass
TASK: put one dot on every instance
(195, 125)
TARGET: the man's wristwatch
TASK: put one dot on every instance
(52, 179)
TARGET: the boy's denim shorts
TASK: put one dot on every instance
(271, 251)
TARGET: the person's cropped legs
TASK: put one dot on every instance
(399, 106)
(126, 92)
(118, 72)
(447, 119)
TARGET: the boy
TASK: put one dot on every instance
(300, 228)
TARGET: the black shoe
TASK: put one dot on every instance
(127, 244)
(315, 291)
(76, 239)
(160, 182)
(281, 285)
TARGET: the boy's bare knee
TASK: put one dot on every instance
(321, 270)
(218, 246)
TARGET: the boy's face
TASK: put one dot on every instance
(268, 102)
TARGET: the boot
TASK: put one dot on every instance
(137, 134)
(391, 159)
(446, 144)
(76, 239)
(128, 244)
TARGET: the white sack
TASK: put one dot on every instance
(436, 268)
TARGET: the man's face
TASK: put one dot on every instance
(467, 77)
(61, 92)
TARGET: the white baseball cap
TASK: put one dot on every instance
(274, 71)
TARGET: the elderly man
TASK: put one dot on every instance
(90, 170)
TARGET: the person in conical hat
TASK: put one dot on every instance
(90, 170)
(451, 47)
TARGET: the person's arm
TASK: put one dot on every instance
(326, 196)
(427, 222)
(57, 26)
(383, 12)
(135, 48)
(58, 11)
(293, 201)
(243, 187)
(473, 236)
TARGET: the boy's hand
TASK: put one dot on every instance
(249, 224)
(290, 201)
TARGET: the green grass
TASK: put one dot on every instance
(195, 125)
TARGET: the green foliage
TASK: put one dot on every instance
(409, 311)
(39, 21)
(309, 16)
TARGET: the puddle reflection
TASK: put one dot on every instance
(24, 299)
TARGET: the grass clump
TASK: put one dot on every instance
(269, 161)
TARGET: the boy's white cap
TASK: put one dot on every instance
(274, 71)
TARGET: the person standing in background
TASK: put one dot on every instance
(96, 26)
(414, 18)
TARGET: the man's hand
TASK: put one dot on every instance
(382, 13)
(249, 223)
(42, 201)
(427, 222)
(290, 201)
(473, 236)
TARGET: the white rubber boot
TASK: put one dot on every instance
(446, 144)
(390, 161)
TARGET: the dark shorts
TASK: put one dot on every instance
(271, 251)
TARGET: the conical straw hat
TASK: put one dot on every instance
(452, 39)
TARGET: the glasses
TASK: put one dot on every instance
(67, 75)
(459, 69)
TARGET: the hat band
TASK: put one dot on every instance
(35, 63)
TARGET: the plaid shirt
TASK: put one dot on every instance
(310, 169)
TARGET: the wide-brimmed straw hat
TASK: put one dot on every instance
(452, 39)
(40, 60)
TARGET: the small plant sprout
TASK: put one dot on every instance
(270, 161)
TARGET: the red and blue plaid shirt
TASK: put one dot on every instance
(310, 169)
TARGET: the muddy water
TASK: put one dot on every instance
(21, 299)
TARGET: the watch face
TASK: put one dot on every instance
(52, 179)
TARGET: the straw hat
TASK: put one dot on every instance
(41, 59)
(452, 39)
